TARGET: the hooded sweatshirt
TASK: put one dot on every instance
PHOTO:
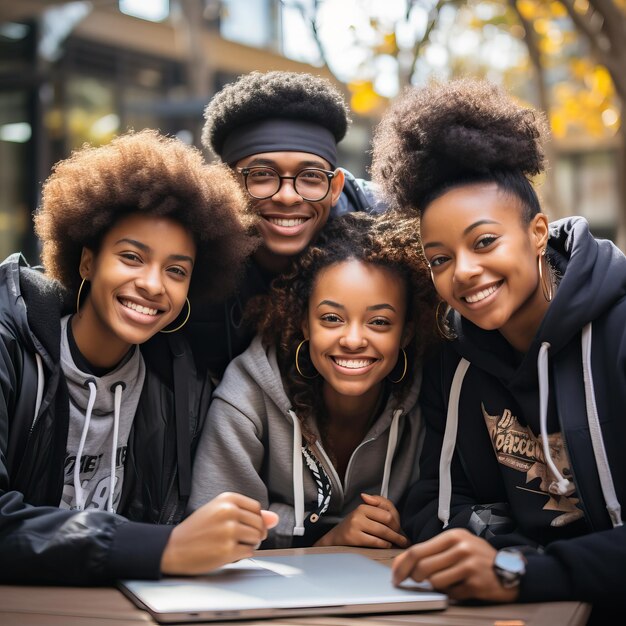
(528, 449)
(102, 410)
(252, 444)
(40, 541)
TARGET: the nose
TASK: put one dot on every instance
(466, 267)
(353, 338)
(151, 281)
(287, 193)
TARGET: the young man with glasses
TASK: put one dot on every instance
(278, 131)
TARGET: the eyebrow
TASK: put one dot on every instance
(374, 307)
(435, 244)
(300, 165)
(148, 249)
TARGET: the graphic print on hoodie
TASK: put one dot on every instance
(519, 449)
(99, 428)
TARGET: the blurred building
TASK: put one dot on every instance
(76, 72)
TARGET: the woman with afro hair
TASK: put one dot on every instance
(318, 418)
(101, 405)
(523, 467)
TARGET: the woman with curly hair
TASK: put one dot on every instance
(523, 465)
(318, 419)
(99, 413)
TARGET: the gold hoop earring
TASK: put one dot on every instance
(443, 325)
(406, 366)
(80, 290)
(165, 332)
(547, 289)
(298, 365)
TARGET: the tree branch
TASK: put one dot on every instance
(534, 53)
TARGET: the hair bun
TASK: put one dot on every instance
(434, 134)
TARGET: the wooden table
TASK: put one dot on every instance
(77, 606)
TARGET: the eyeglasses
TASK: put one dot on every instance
(311, 183)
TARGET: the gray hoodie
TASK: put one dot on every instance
(252, 444)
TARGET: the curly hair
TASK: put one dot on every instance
(460, 132)
(145, 172)
(288, 95)
(387, 240)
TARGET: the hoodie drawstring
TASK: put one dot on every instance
(563, 485)
(298, 488)
(40, 385)
(391, 450)
(449, 442)
(606, 479)
(117, 389)
(78, 488)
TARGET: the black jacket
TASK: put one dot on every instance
(500, 486)
(40, 543)
(218, 332)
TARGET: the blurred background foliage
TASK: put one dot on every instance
(76, 72)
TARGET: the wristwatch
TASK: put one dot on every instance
(509, 566)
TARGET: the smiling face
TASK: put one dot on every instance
(289, 223)
(483, 259)
(138, 282)
(355, 326)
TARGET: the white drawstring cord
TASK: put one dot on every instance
(78, 488)
(40, 385)
(602, 463)
(117, 390)
(449, 442)
(563, 485)
(298, 487)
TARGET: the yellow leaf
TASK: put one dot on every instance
(364, 98)
(602, 82)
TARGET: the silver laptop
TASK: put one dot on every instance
(282, 586)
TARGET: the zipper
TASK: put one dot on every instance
(167, 499)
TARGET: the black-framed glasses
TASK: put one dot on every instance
(310, 183)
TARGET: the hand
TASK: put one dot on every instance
(374, 524)
(457, 563)
(226, 529)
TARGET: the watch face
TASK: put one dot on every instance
(509, 566)
(510, 561)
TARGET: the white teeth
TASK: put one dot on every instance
(481, 295)
(140, 309)
(354, 364)
(279, 221)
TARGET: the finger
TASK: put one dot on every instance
(243, 502)
(382, 531)
(377, 501)
(249, 536)
(382, 516)
(451, 579)
(404, 564)
(253, 520)
(270, 519)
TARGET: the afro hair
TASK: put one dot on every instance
(287, 95)
(443, 134)
(148, 173)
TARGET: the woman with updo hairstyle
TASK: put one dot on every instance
(523, 470)
(101, 404)
(318, 419)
